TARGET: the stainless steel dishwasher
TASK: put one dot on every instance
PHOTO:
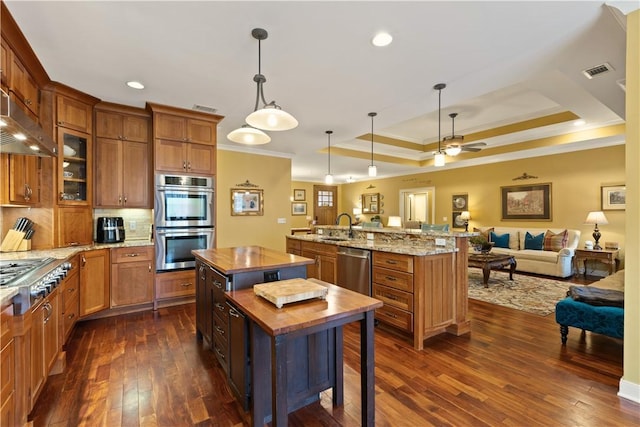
(354, 269)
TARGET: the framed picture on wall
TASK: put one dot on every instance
(299, 194)
(530, 202)
(299, 208)
(614, 197)
(246, 202)
(459, 202)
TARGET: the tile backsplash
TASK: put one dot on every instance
(137, 222)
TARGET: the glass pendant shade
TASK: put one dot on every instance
(328, 179)
(453, 150)
(373, 170)
(439, 159)
(249, 136)
(272, 117)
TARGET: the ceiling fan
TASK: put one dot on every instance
(454, 144)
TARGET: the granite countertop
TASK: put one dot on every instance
(416, 248)
(247, 258)
(8, 292)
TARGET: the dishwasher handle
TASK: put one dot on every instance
(356, 253)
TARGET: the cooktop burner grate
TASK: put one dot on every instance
(12, 270)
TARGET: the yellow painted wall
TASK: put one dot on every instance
(575, 180)
(273, 175)
(631, 378)
(298, 221)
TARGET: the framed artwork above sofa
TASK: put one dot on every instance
(530, 202)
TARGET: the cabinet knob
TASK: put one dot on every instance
(184, 165)
(188, 165)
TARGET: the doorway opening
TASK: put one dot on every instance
(417, 206)
(325, 204)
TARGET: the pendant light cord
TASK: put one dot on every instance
(439, 108)
(372, 115)
(329, 151)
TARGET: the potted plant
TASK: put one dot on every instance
(480, 244)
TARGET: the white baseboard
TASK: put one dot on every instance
(629, 390)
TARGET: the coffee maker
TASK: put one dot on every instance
(110, 230)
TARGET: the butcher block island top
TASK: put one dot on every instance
(248, 258)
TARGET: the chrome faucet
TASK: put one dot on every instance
(348, 216)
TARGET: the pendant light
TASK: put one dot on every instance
(438, 159)
(328, 178)
(270, 116)
(373, 171)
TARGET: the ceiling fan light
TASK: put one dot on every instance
(249, 136)
(272, 117)
(373, 170)
(453, 150)
(438, 159)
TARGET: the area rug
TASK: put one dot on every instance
(527, 293)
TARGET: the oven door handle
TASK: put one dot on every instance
(183, 232)
(186, 190)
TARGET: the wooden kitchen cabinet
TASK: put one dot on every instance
(325, 256)
(4, 64)
(70, 300)
(95, 275)
(74, 167)
(122, 122)
(21, 178)
(7, 367)
(175, 284)
(175, 156)
(122, 172)
(185, 129)
(44, 342)
(75, 226)
(24, 87)
(73, 113)
(132, 275)
(204, 303)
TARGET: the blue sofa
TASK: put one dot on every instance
(600, 319)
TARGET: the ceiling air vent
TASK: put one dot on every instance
(597, 70)
(205, 109)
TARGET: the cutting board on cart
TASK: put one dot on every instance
(288, 291)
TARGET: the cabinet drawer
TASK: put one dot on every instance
(221, 310)
(6, 326)
(221, 329)
(131, 254)
(320, 248)
(395, 317)
(69, 290)
(294, 246)
(221, 350)
(220, 283)
(69, 317)
(397, 262)
(393, 297)
(393, 279)
(178, 284)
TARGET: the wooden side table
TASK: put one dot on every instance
(607, 256)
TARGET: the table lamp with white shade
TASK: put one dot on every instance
(596, 217)
(394, 221)
(465, 216)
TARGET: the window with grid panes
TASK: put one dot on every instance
(325, 198)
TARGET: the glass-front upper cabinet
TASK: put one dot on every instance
(74, 169)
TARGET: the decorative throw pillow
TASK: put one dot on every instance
(533, 242)
(555, 242)
(484, 232)
(501, 240)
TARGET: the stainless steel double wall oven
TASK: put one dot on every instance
(184, 219)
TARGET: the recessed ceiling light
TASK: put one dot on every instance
(34, 147)
(579, 122)
(135, 85)
(382, 39)
(20, 136)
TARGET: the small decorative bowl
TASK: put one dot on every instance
(67, 174)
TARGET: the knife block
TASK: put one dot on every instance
(25, 245)
(13, 241)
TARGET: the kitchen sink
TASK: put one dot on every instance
(335, 238)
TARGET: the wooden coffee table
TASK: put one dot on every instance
(488, 262)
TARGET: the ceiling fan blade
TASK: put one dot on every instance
(471, 149)
(474, 144)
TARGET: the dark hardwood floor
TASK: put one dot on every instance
(148, 369)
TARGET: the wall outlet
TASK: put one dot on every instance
(132, 225)
(444, 219)
(282, 220)
(370, 236)
(441, 242)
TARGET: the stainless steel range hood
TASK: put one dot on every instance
(19, 134)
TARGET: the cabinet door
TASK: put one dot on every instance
(135, 129)
(73, 114)
(201, 159)
(170, 156)
(24, 86)
(136, 180)
(74, 166)
(175, 284)
(23, 177)
(108, 125)
(95, 277)
(170, 127)
(131, 283)
(51, 344)
(201, 131)
(108, 186)
(4, 64)
(37, 376)
(75, 226)
(327, 269)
